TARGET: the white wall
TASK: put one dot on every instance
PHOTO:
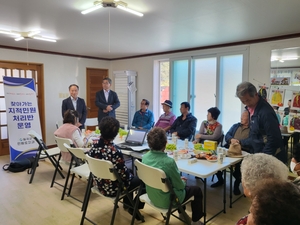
(59, 73)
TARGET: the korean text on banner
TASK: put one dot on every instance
(22, 114)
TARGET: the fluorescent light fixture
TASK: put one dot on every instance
(19, 38)
(32, 33)
(44, 39)
(95, 7)
(130, 10)
(10, 33)
(281, 61)
(112, 4)
(290, 58)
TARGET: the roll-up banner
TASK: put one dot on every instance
(22, 115)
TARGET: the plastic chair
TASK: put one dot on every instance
(159, 180)
(43, 152)
(60, 144)
(81, 170)
(105, 170)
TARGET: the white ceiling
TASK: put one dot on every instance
(167, 25)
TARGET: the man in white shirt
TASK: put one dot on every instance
(75, 103)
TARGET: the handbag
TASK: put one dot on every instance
(234, 150)
(19, 165)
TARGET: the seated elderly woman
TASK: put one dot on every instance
(257, 167)
(157, 158)
(70, 130)
(210, 129)
(107, 150)
(275, 202)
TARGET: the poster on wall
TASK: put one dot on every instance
(295, 103)
(22, 114)
(280, 81)
(294, 123)
(276, 96)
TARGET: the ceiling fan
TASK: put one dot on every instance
(113, 4)
(27, 35)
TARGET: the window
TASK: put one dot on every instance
(164, 73)
(209, 81)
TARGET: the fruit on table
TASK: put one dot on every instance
(122, 132)
(198, 146)
(171, 147)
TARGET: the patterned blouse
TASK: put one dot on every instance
(108, 151)
(210, 128)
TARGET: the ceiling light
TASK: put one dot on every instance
(97, 5)
(113, 4)
(32, 33)
(290, 58)
(25, 35)
(19, 38)
(10, 33)
(43, 38)
(130, 10)
(281, 60)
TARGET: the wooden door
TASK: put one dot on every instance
(94, 79)
(24, 70)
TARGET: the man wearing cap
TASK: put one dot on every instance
(166, 120)
(185, 125)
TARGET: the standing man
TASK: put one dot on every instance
(264, 132)
(143, 119)
(185, 125)
(106, 100)
(166, 120)
(75, 103)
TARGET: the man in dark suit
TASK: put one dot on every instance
(106, 100)
(75, 103)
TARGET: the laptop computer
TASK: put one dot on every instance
(135, 137)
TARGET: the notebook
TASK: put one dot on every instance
(135, 137)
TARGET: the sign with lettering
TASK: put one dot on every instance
(22, 114)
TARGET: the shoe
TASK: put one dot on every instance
(236, 191)
(130, 211)
(217, 184)
(197, 223)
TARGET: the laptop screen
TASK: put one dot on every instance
(136, 136)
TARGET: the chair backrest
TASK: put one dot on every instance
(38, 138)
(91, 122)
(221, 140)
(151, 176)
(61, 141)
(101, 168)
(78, 152)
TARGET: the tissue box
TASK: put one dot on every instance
(211, 145)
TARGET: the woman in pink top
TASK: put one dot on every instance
(71, 131)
